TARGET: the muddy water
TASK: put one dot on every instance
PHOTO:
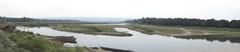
(140, 42)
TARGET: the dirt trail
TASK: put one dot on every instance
(187, 32)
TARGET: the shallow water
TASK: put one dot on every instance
(141, 42)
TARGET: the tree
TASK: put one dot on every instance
(187, 22)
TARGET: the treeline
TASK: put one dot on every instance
(187, 22)
(25, 21)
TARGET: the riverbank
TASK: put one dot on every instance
(148, 29)
(140, 41)
(208, 33)
(18, 41)
(184, 30)
(68, 37)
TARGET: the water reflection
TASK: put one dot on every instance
(212, 38)
(141, 42)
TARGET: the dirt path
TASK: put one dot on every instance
(187, 32)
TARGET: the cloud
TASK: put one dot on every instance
(121, 8)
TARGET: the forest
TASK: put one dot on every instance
(26, 21)
(187, 22)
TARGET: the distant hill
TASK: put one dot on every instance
(90, 19)
(26, 21)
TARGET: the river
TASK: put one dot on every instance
(140, 42)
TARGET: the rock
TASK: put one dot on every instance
(8, 28)
(114, 34)
(111, 49)
(64, 39)
(115, 50)
(89, 49)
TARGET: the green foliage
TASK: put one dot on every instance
(28, 42)
(176, 30)
(144, 29)
(31, 24)
(162, 30)
(36, 22)
(91, 29)
(36, 43)
(187, 22)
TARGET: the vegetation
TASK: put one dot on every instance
(211, 38)
(27, 42)
(142, 29)
(31, 22)
(218, 31)
(210, 30)
(19, 41)
(7, 45)
(37, 22)
(185, 30)
(190, 28)
(149, 29)
(91, 29)
(207, 33)
(34, 43)
(187, 22)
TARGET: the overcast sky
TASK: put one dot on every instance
(219, 9)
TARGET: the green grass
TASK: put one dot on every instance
(91, 29)
(198, 32)
(168, 30)
(31, 24)
(35, 43)
(218, 31)
(163, 30)
(7, 45)
(78, 28)
(141, 29)
(150, 29)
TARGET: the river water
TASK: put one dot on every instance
(140, 42)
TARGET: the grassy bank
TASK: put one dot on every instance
(231, 32)
(148, 29)
(28, 42)
(163, 30)
(207, 33)
(91, 29)
(18, 41)
(183, 30)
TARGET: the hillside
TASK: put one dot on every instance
(17, 41)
